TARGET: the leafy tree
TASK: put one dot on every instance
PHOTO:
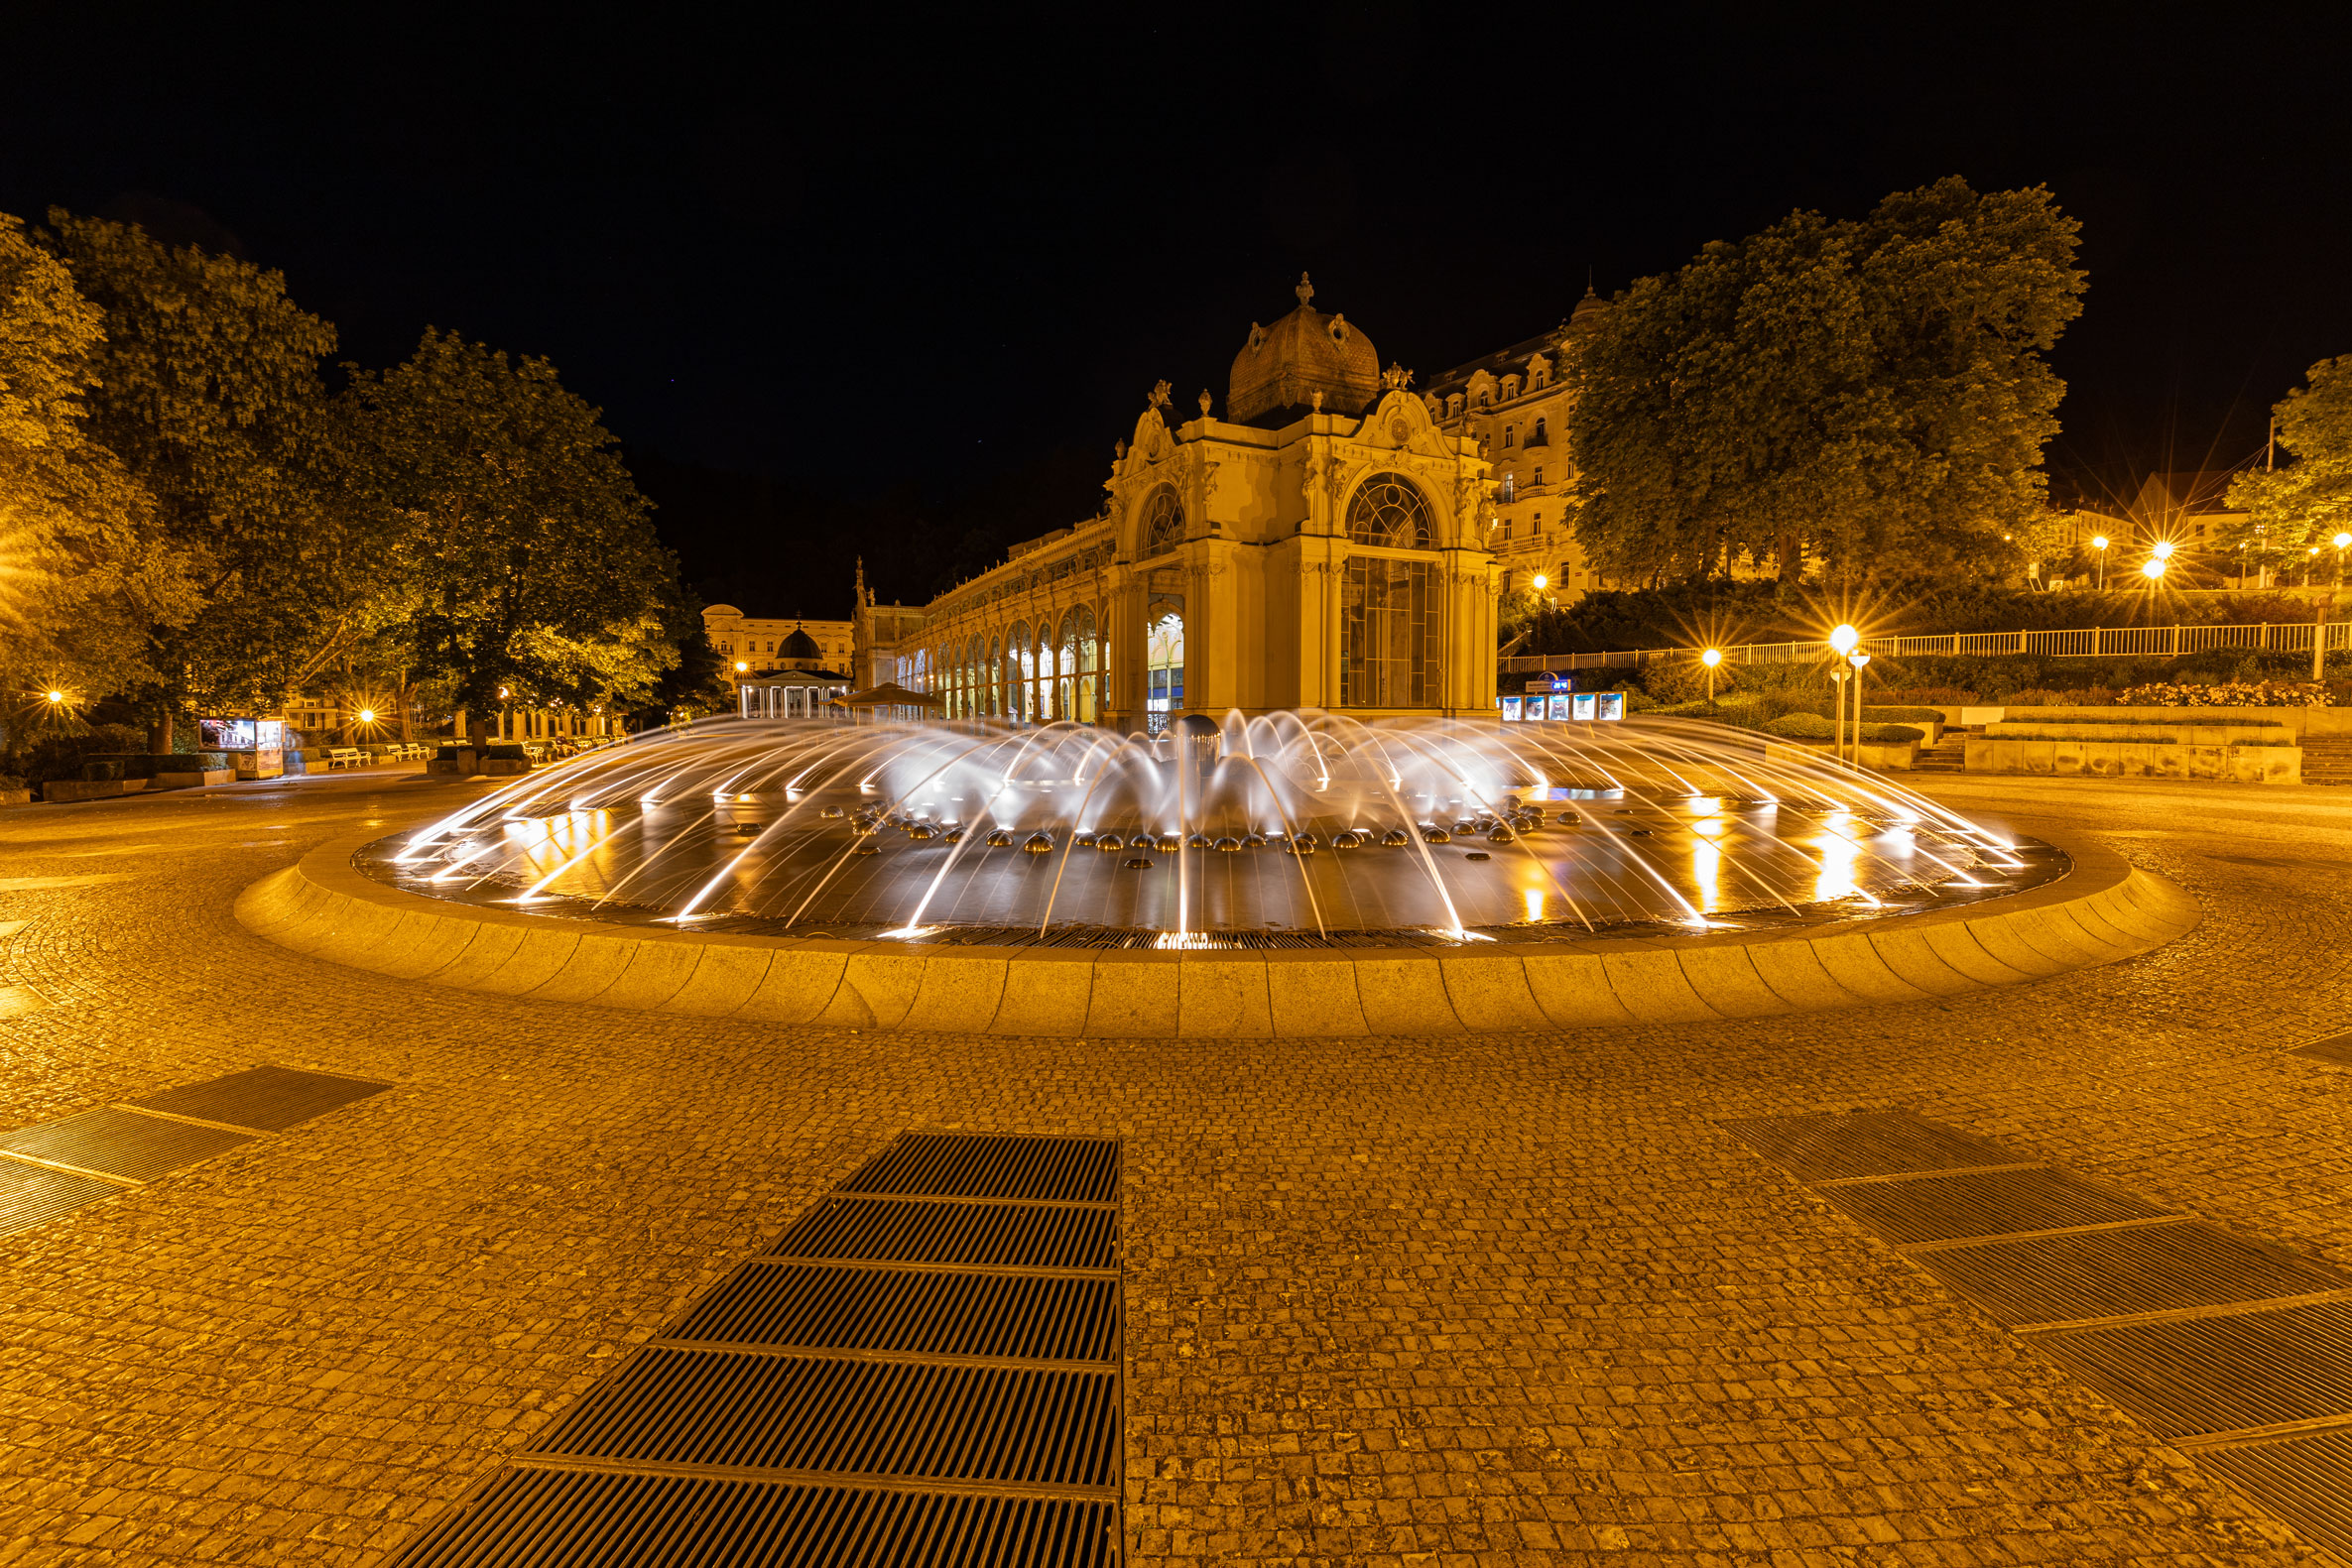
(2308, 502)
(83, 567)
(526, 547)
(207, 389)
(1862, 397)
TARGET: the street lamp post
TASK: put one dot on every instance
(1861, 662)
(2099, 544)
(1843, 641)
(1711, 657)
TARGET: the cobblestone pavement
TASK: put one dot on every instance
(1502, 1300)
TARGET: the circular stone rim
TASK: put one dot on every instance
(2101, 911)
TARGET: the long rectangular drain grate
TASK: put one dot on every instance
(54, 1168)
(926, 1369)
(2233, 1350)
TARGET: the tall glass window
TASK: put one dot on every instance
(1388, 644)
(1164, 663)
(1089, 664)
(995, 674)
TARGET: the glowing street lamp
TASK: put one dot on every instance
(367, 715)
(2099, 544)
(1541, 582)
(2163, 549)
(741, 667)
(1711, 657)
(1844, 638)
(2152, 570)
(56, 697)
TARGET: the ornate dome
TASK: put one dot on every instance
(1589, 307)
(798, 646)
(1305, 352)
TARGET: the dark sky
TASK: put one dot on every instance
(888, 264)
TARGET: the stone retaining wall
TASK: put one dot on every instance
(2134, 760)
(2103, 911)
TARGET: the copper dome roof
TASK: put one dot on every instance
(1305, 352)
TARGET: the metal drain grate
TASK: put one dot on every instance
(2219, 1374)
(2118, 1274)
(2306, 1482)
(2335, 1048)
(120, 1142)
(938, 1314)
(1033, 1170)
(1984, 1204)
(744, 1410)
(30, 1195)
(1826, 1147)
(923, 1370)
(271, 1099)
(530, 1518)
(970, 1236)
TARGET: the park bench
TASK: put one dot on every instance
(344, 757)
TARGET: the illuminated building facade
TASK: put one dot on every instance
(1323, 544)
(1512, 405)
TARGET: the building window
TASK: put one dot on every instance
(1387, 635)
(1510, 487)
(1538, 477)
(1163, 522)
(1164, 663)
(1536, 439)
(1510, 435)
(1484, 397)
(1389, 510)
(1536, 524)
(1506, 529)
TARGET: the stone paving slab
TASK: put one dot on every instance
(1509, 1298)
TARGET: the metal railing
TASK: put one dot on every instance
(2109, 641)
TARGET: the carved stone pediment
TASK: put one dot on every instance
(1400, 422)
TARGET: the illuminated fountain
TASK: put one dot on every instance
(1286, 829)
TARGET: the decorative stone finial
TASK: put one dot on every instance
(1305, 291)
(1204, 402)
(1159, 396)
(1396, 378)
(1315, 399)
(1119, 448)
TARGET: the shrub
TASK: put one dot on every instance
(101, 770)
(56, 756)
(1891, 734)
(11, 782)
(1802, 727)
(1905, 715)
(2232, 694)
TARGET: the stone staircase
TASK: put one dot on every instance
(2328, 762)
(1949, 754)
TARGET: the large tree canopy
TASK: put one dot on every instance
(1866, 398)
(207, 389)
(2304, 505)
(84, 570)
(525, 545)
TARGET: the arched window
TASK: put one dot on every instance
(1089, 664)
(1509, 486)
(1484, 397)
(1536, 439)
(1510, 435)
(994, 677)
(1389, 510)
(1163, 522)
(1020, 664)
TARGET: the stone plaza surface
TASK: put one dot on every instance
(1510, 1299)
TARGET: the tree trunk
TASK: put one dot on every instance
(403, 695)
(159, 734)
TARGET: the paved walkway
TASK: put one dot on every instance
(1508, 1299)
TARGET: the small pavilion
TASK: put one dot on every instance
(799, 687)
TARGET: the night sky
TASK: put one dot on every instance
(893, 287)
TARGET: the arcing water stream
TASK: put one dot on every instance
(1287, 827)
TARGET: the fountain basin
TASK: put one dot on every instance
(2099, 909)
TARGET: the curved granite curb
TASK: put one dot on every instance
(2103, 911)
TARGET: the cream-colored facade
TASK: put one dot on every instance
(1514, 406)
(750, 647)
(1323, 544)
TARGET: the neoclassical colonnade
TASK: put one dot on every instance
(1047, 664)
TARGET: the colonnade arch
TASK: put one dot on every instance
(1054, 665)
